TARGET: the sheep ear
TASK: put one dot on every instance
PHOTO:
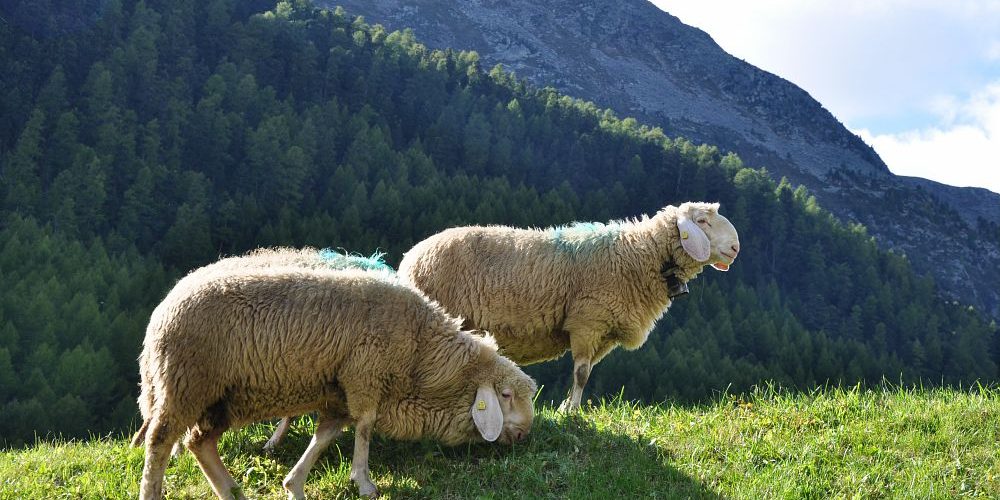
(486, 413)
(694, 240)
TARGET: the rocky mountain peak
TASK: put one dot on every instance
(640, 61)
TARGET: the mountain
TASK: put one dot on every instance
(166, 133)
(640, 61)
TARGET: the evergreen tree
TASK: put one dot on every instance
(22, 182)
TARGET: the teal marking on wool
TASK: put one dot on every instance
(583, 236)
(337, 260)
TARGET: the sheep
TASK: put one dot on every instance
(308, 257)
(228, 347)
(586, 287)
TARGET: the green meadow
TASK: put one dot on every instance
(831, 443)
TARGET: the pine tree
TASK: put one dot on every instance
(22, 182)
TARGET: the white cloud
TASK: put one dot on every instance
(993, 51)
(964, 150)
(913, 77)
(863, 59)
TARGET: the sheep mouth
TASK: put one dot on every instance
(722, 265)
(512, 435)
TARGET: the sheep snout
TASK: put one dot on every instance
(513, 435)
(736, 249)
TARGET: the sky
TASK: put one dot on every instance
(918, 80)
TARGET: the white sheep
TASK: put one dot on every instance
(309, 258)
(585, 287)
(231, 346)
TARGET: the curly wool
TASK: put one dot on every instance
(266, 258)
(531, 287)
(215, 341)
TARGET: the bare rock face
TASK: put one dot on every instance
(631, 57)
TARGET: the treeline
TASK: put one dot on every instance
(140, 139)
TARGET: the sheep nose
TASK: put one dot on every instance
(519, 436)
(736, 249)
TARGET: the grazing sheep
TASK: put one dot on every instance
(228, 347)
(585, 288)
(309, 258)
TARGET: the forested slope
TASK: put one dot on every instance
(140, 139)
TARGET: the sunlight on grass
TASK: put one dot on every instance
(888, 442)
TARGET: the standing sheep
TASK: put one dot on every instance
(228, 347)
(585, 288)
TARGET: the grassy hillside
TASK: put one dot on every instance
(162, 134)
(831, 443)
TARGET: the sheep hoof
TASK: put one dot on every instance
(368, 490)
(295, 489)
(568, 407)
(269, 446)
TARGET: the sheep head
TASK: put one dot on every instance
(503, 409)
(706, 235)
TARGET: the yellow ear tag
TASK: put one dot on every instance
(684, 235)
(481, 405)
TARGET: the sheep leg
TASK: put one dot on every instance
(581, 372)
(158, 443)
(585, 356)
(279, 434)
(327, 430)
(205, 448)
(178, 448)
(359, 466)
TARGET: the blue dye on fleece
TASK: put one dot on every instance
(583, 236)
(337, 260)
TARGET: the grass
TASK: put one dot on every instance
(833, 443)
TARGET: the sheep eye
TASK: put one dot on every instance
(506, 393)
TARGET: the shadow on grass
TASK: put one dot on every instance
(565, 457)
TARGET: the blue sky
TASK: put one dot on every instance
(919, 80)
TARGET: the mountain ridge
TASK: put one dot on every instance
(643, 62)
